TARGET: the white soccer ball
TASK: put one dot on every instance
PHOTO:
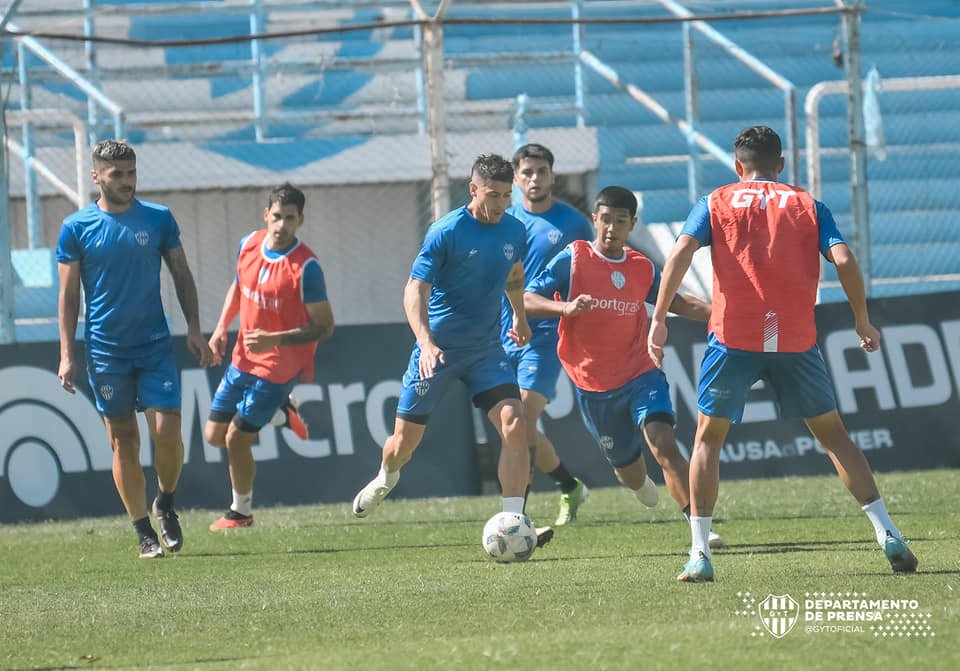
(509, 537)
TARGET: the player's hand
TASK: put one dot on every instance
(198, 346)
(431, 358)
(869, 337)
(66, 373)
(258, 340)
(520, 333)
(655, 341)
(218, 345)
(580, 304)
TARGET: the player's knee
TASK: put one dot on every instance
(215, 434)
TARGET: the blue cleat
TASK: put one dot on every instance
(901, 559)
(697, 570)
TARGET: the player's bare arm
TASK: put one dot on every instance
(520, 333)
(68, 307)
(690, 307)
(416, 297)
(319, 327)
(851, 279)
(673, 271)
(541, 306)
(231, 308)
(186, 288)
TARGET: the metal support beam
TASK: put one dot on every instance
(859, 202)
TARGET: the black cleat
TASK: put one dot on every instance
(544, 536)
(150, 548)
(170, 530)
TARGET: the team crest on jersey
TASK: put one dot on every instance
(264, 275)
(106, 392)
(508, 252)
(618, 279)
(142, 238)
(606, 442)
(421, 387)
(554, 236)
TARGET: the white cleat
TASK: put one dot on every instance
(714, 540)
(368, 498)
(648, 493)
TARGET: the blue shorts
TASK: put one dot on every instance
(615, 418)
(482, 370)
(537, 368)
(143, 378)
(799, 381)
(256, 400)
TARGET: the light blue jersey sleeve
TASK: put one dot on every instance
(172, 239)
(829, 233)
(555, 278)
(68, 246)
(314, 286)
(432, 256)
(698, 222)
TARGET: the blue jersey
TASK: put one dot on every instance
(467, 262)
(547, 234)
(120, 257)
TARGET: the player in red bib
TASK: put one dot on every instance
(281, 298)
(598, 290)
(765, 239)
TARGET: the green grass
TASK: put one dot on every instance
(410, 588)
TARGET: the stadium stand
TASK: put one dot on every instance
(335, 98)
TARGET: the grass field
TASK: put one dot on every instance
(410, 588)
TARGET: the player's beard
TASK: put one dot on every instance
(115, 197)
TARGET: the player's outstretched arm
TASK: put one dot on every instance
(68, 309)
(186, 288)
(541, 306)
(851, 279)
(690, 307)
(673, 271)
(416, 298)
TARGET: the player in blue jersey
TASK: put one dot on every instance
(452, 302)
(551, 225)
(114, 248)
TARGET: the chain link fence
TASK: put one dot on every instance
(336, 98)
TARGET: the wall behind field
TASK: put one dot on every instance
(900, 406)
(365, 238)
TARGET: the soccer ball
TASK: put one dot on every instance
(509, 537)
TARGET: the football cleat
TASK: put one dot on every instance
(232, 520)
(544, 536)
(368, 498)
(901, 559)
(648, 493)
(150, 548)
(570, 503)
(697, 570)
(714, 540)
(170, 532)
(289, 417)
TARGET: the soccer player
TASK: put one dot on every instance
(602, 287)
(114, 247)
(452, 302)
(551, 225)
(765, 239)
(281, 297)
